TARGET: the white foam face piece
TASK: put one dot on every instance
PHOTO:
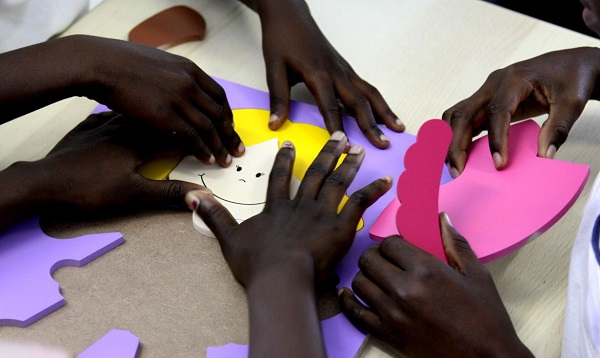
(241, 187)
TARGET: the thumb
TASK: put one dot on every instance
(458, 251)
(218, 219)
(165, 192)
(279, 94)
(555, 130)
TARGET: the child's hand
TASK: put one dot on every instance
(96, 166)
(167, 91)
(305, 232)
(296, 51)
(422, 307)
(557, 83)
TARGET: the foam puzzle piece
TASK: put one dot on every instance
(116, 343)
(241, 187)
(418, 187)
(170, 27)
(342, 340)
(28, 257)
(500, 211)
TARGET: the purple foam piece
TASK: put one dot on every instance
(342, 340)
(230, 350)
(28, 257)
(116, 343)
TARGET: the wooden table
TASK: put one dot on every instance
(174, 290)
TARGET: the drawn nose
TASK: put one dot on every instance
(242, 180)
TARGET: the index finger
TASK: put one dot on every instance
(499, 114)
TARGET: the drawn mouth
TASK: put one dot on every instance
(229, 201)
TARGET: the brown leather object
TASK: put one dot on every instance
(170, 27)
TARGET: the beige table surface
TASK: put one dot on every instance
(172, 288)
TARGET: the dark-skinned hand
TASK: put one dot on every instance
(283, 253)
(296, 50)
(307, 227)
(96, 165)
(422, 307)
(557, 83)
(166, 91)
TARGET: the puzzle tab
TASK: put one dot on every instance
(28, 257)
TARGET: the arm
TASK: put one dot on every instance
(557, 83)
(94, 167)
(167, 91)
(282, 253)
(295, 51)
(415, 299)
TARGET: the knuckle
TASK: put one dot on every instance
(175, 190)
(387, 244)
(220, 93)
(332, 109)
(562, 129)
(366, 260)
(316, 171)
(277, 100)
(359, 101)
(336, 179)
(278, 172)
(360, 198)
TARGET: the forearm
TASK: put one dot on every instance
(283, 315)
(38, 75)
(21, 193)
(278, 7)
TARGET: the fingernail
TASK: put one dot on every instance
(273, 118)
(497, 160)
(454, 172)
(228, 159)
(399, 123)
(192, 200)
(211, 160)
(388, 179)
(551, 152)
(356, 149)
(383, 138)
(340, 291)
(241, 148)
(447, 218)
(338, 136)
(287, 144)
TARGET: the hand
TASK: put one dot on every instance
(422, 307)
(96, 166)
(306, 229)
(296, 50)
(558, 83)
(281, 254)
(167, 91)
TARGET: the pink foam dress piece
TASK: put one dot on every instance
(28, 257)
(419, 185)
(116, 343)
(500, 211)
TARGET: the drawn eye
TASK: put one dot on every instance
(238, 168)
(258, 175)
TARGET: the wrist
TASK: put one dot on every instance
(22, 192)
(87, 75)
(287, 9)
(513, 348)
(273, 268)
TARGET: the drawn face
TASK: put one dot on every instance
(242, 187)
(245, 181)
